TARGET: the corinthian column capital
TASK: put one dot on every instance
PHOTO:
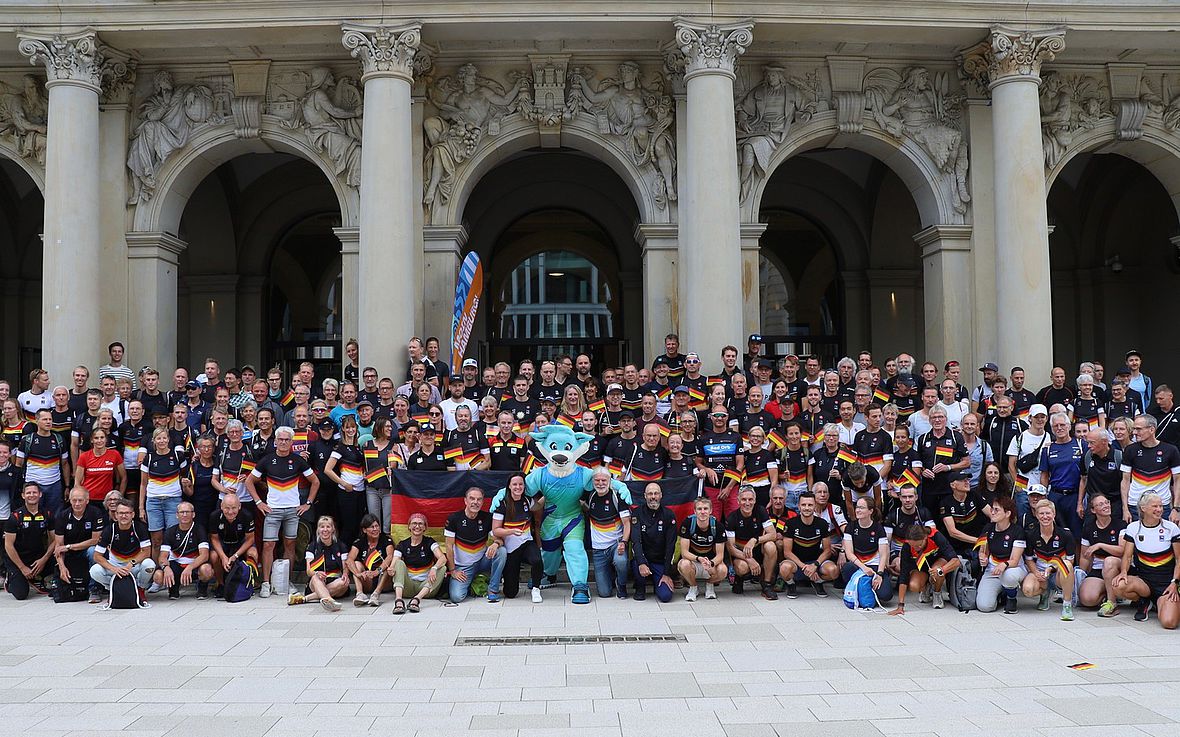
(711, 48)
(77, 58)
(1011, 54)
(386, 51)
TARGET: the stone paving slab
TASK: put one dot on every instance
(805, 668)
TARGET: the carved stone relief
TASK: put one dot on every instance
(466, 109)
(24, 114)
(765, 114)
(1070, 103)
(912, 105)
(329, 112)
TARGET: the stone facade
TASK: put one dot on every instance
(976, 115)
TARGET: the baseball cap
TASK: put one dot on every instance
(193, 385)
(763, 364)
(614, 388)
(661, 361)
(989, 366)
(1037, 489)
(950, 365)
(1037, 409)
(791, 355)
(958, 476)
(426, 427)
(754, 338)
(681, 389)
(326, 422)
(906, 380)
(627, 413)
(364, 403)
(1133, 352)
(470, 362)
(456, 377)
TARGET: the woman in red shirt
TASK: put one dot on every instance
(100, 469)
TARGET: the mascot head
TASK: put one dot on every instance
(562, 447)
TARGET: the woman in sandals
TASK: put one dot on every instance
(418, 567)
(368, 560)
(327, 574)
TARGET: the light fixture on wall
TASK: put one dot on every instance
(1115, 264)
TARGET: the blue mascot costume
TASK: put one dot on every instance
(563, 482)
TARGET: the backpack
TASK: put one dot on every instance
(859, 594)
(962, 588)
(75, 587)
(239, 582)
(126, 594)
(692, 530)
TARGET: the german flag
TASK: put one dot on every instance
(980, 542)
(1054, 561)
(421, 418)
(469, 456)
(733, 475)
(876, 461)
(436, 495)
(665, 431)
(288, 400)
(664, 393)
(453, 454)
(882, 396)
(531, 463)
(373, 560)
(376, 474)
(923, 558)
(1021, 482)
(713, 381)
(846, 454)
(818, 437)
(777, 441)
(615, 467)
(248, 466)
(565, 420)
(696, 398)
(944, 452)
(598, 406)
(909, 478)
(679, 494)
(1159, 560)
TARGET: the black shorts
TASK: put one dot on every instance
(1156, 585)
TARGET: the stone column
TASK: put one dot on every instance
(1011, 60)
(253, 320)
(386, 317)
(76, 67)
(151, 267)
(350, 276)
(710, 218)
(946, 288)
(983, 228)
(661, 307)
(443, 252)
(751, 233)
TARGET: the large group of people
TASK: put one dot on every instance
(895, 471)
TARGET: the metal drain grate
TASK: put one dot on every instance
(564, 640)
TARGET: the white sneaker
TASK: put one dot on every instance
(692, 594)
(264, 590)
(360, 599)
(375, 599)
(710, 593)
(536, 594)
(937, 599)
(154, 588)
(924, 596)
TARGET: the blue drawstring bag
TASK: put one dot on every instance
(859, 594)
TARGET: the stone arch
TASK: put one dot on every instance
(580, 135)
(932, 191)
(213, 146)
(1158, 151)
(36, 172)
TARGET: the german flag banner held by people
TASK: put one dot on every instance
(436, 495)
(679, 494)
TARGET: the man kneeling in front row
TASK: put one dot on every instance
(702, 551)
(124, 549)
(231, 538)
(807, 550)
(184, 555)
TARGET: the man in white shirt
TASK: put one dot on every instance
(38, 396)
(455, 401)
(955, 408)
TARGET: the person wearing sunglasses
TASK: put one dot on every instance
(721, 461)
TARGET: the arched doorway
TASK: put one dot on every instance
(260, 279)
(556, 231)
(1115, 253)
(22, 214)
(839, 269)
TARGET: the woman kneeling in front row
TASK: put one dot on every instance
(1002, 554)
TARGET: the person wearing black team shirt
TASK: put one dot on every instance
(231, 536)
(1022, 399)
(721, 461)
(751, 541)
(1049, 560)
(866, 546)
(512, 524)
(653, 543)
(807, 550)
(1002, 557)
(76, 530)
(962, 514)
(702, 551)
(184, 555)
(370, 559)
(419, 566)
(926, 557)
(328, 576)
(1056, 392)
(1100, 558)
(123, 550)
(505, 449)
(610, 532)
(471, 550)
(942, 452)
(902, 517)
(522, 406)
(28, 545)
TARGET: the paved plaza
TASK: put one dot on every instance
(747, 667)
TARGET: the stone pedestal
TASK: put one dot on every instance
(946, 287)
(711, 296)
(77, 65)
(386, 316)
(151, 305)
(751, 247)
